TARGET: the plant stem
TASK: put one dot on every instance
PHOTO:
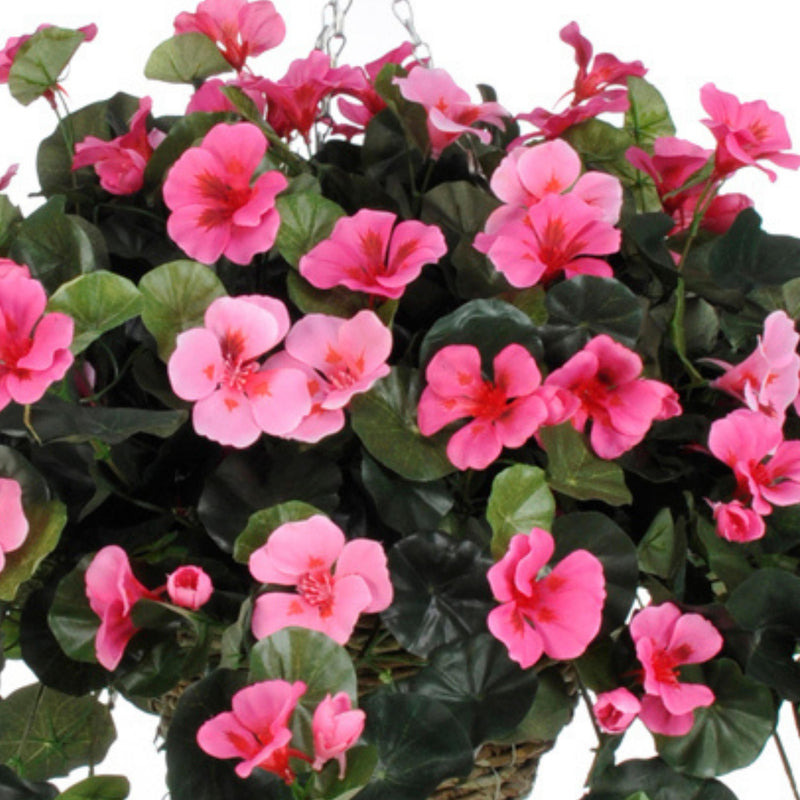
(786, 766)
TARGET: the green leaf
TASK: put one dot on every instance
(10, 218)
(385, 420)
(337, 302)
(185, 58)
(458, 207)
(484, 690)
(647, 116)
(71, 619)
(15, 788)
(306, 219)
(730, 733)
(175, 297)
(97, 302)
(725, 559)
(520, 500)
(419, 744)
(575, 471)
(98, 787)
(662, 550)
(263, 523)
(602, 147)
(360, 761)
(40, 61)
(46, 734)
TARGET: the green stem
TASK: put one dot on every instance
(26, 419)
(786, 766)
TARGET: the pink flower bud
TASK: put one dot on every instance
(189, 587)
(614, 711)
(336, 727)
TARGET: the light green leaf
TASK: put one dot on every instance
(98, 787)
(306, 219)
(185, 58)
(647, 117)
(263, 523)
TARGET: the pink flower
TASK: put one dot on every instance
(120, 163)
(34, 349)
(217, 367)
(189, 587)
(304, 554)
(9, 269)
(112, 591)
(450, 111)
(256, 729)
(737, 523)
(209, 96)
(14, 526)
(358, 254)
(215, 209)
(605, 378)
(615, 710)
(746, 133)
(336, 727)
(5, 179)
(505, 410)
(13, 44)
(551, 125)
(664, 639)
(556, 611)
(239, 28)
(767, 469)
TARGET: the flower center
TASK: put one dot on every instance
(316, 588)
(222, 199)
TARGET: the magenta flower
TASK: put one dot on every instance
(34, 349)
(5, 179)
(256, 730)
(189, 587)
(737, 523)
(665, 639)
(605, 377)
(240, 28)
(615, 710)
(336, 582)
(506, 410)
(450, 111)
(112, 591)
(120, 163)
(236, 400)
(9, 269)
(215, 209)
(209, 96)
(358, 254)
(336, 727)
(14, 526)
(554, 611)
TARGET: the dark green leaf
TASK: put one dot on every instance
(10, 217)
(12, 787)
(648, 234)
(337, 302)
(306, 219)
(734, 255)
(98, 787)
(725, 559)
(262, 523)
(71, 619)
(662, 550)
(185, 58)
(647, 117)
(361, 762)
(458, 207)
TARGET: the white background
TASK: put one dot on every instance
(513, 45)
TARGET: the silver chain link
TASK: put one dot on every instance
(405, 14)
(331, 39)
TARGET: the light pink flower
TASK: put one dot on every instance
(5, 179)
(256, 729)
(551, 125)
(336, 582)
(215, 209)
(450, 111)
(13, 522)
(736, 523)
(606, 379)
(240, 28)
(665, 639)
(615, 710)
(112, 591)
(209, 96)
(358, 254)
(217, 367)
(189, 587)
(746, 133)
(34, 349)
(336, 727)
(556, 611)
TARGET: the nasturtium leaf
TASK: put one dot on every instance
(299, 654)
(730, 733)
(40, 61)
(484, 690)
(97, 302)
(185, 58)
(12, 787)
(175, 297)
(71, 619)
(662, 549)
(46, 734)
(98, 787)
(306, 219)
(647, 117)
(385, 420)
(361, 761)
(263, 522)
(575, 471)
(440, 591)
(419, 744)
(520, 499)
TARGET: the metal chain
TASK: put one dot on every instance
(331, 39)
(405, 14)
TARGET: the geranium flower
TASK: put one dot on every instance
(239, 28)
(209, 96)
(112, 591)
(665, 639)
(358, 254)
(336, 726)
(120, 163)
(215, 209)
(737, 523)
(217, 367)
(451, 113)
(34, 349)
(615, 710)
(256, 730)
(336, 582)
(189, 587)
(605, 377)
(5, 179)
(14, 526)
(556, 611)
(10, 269)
